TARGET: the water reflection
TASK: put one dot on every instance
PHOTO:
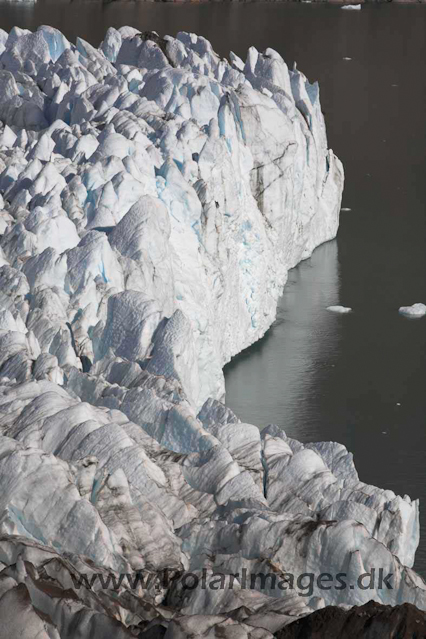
(275, 381)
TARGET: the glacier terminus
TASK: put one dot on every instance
(153, 197)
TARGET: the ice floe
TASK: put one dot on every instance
(339, 309)
(416, 310)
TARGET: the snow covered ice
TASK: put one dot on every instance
(152, 198)
(416, 310)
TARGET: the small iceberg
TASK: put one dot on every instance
(346, 209)
(339, 309)
(416, 310)
(354, 7)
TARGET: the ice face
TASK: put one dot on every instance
(152, 198)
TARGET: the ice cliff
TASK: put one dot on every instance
(152, 179)
(152, 198)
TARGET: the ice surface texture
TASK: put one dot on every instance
(152, 198)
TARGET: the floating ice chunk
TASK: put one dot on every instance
(339, 309)
(353, 7)
(416, 310)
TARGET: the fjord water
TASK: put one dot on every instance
(360, 378)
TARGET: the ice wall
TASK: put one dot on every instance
(154, 167)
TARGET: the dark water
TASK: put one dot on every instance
(318, 375)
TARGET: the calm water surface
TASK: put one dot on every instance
(358, 379)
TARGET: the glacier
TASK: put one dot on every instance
(153, 197)
(154, 166)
